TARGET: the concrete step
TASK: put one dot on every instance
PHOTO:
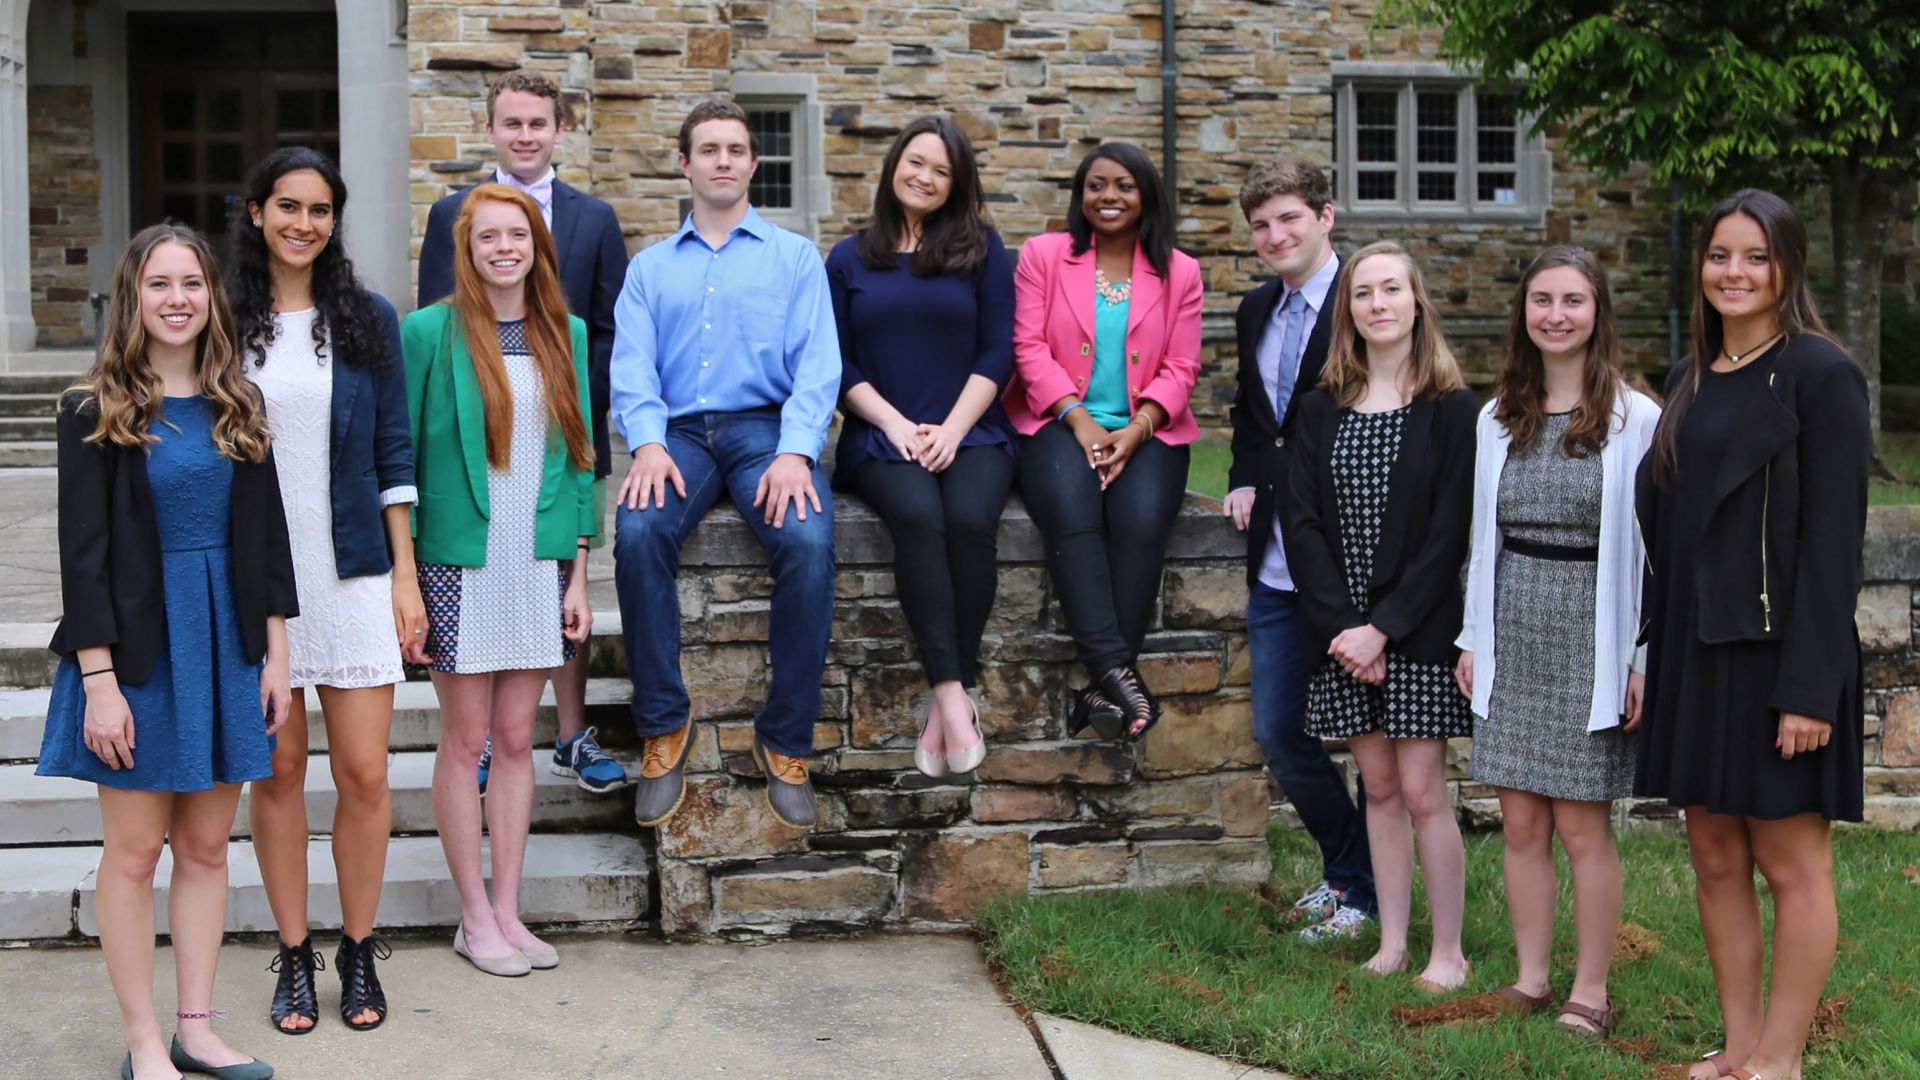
(58, 810)
(51, 378)
(570, 879)
(27, 429)
(28, 404)
(28, 455)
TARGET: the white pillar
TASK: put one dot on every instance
(374, 109)
(16, 245)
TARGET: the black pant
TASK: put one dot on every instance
(945, 563)
(1104, 549)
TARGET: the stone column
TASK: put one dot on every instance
(16, 290)
(373, 145)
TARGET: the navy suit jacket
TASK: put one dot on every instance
(370, 445)
(593, 266)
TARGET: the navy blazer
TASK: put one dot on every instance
(593, 267)
(371, 451)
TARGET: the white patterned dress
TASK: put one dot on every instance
(344, 636)
(504, 616)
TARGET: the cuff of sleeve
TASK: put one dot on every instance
(1638, 665)
(1388, 625)
(1465, 641)
(396, 496)
(1238, 490)
(640, 431)
(1800, 700)
(805, 444)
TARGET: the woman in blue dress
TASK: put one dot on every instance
(176, 584)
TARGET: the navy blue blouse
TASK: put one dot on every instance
(918, 340)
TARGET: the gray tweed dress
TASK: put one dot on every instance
(1534, 737)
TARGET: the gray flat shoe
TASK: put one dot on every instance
(509, 967)
(544, 958)
(789, 790)
(655, 798)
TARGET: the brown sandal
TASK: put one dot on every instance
(1603, 1019)
(1514, 999)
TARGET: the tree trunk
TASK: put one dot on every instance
(1862, 206)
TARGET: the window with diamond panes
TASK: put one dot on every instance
(1429, 145)
(772, 187)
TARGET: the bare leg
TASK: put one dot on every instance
(516, 695)
(134, 824)
(465, 704)
(277, 810)
(1532, 883)
(359, 725)
(1443, 855)
(570, 693)
(197, 912)
(1586, 831)
(1730, 922)
(1390, 836)
(1796, 857)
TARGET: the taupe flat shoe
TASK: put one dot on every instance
(510, 966)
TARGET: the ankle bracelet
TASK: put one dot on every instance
(210, 1014)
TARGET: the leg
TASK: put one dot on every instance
(570, 692)
(1586, 831)
(359, 726)
(907, 498)
(1730, 921)
(197, 912)
(973, 493)
(466, 704)
(1390, 834)
(1533, 883)
(1443, 856)
(1298, 760)
(1063, 497)
(277, 810)
(1796, 858)
(134, 824)
(516, 695)
(1141, 508)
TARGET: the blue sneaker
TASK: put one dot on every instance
(582, 759)
(486, 764)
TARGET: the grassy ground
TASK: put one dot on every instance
(1207, 474)
(1217, 971)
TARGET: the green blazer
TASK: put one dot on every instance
(450, 450)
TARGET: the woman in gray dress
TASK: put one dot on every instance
(1553, 592)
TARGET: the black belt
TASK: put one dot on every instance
(1556, 552)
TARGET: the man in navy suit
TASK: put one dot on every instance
(1283, 328)
(523, 123)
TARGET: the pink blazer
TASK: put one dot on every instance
(1053, 335)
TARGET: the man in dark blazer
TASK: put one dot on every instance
(523, 123)
(1283, 328)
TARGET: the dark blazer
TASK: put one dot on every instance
(593, 266)
(371, 450)
(111, 586)
(1780, 556)
(1259, 437)
(1415, 597)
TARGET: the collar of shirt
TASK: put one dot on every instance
(753, 225)
(502, 176)
(1316, 287)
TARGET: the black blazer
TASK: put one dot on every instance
(1415, 596)
(111, 587)
(370, 451)
(1259, 437)
(1789, 519)
(593, 267)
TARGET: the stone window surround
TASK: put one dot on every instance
(1533, 163)
(812, 197)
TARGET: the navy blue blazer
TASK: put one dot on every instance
(371, 444)
(593, 267)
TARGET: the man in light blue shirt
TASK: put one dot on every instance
(725, 371)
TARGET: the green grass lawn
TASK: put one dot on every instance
(1217, 971)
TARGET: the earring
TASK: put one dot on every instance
(256, 223)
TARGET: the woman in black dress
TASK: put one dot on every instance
(1753, 504)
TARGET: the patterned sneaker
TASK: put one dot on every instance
(581, 758)
(1345, 922)
(486, 764)
(1318, 905)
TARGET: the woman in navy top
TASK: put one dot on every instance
(924, 300)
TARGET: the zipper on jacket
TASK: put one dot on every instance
(1766, 497)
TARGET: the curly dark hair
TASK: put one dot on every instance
(346, 310)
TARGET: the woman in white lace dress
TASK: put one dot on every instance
(325, 352)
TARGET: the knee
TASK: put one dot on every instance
(133, 861)
(972, 525)
(1714, 865)
(289, 779)
(1426, 802)
(1803, 872)
(514, 739)
(916, 518)
(464, 743)
(1526, 831)
(201, 853)
(360, 782)
(805, 546)
(1383, 793)
(1586, 840)
(640, 531)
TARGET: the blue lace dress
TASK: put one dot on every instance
(197, 718)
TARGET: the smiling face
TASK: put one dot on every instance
(501, 244)
(297, 220)
(1380, 292)
(923, 179)
(1560, 312)
(719, 162)
(524, 132)
(1110, 199)
(1737, 276)
(173, 296)
(1290, 238)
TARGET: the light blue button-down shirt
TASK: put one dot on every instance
(1279, 373)
(745, 326)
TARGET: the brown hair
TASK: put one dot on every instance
(1431, 367)
(127, 392)
(717, 108)
(525, 82)
(1521, 395)
(548, 334)
(1285, 175)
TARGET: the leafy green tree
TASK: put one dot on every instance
(1785, 94)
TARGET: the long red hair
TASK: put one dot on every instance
(548, 334)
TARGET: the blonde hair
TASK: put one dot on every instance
(1431, 369)
(127, 393)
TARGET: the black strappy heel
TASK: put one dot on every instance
(295, 995)
(1091, 708)
(359, 982)
(1123, 686)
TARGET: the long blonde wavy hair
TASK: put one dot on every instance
(127, 393)
(1431, 369)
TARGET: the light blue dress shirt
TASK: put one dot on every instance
(748, 325)
(1279, 373)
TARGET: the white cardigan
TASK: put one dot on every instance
(1616, 594)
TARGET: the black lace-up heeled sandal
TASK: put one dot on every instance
(1123, 686)
(1092, 709)
(296, 995)
(359, 983)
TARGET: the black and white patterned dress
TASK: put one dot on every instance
(504, 616)
(1534, 736)
(1418, 700)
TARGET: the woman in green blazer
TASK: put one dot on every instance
(497, 384)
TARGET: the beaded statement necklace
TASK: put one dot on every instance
(1114, 295)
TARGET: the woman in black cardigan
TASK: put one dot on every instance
(1753, 506)
(1376, 533)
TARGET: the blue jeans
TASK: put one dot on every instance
(726, 453)
(1298, 760)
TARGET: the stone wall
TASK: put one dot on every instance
(64, 212)
(1046, 813)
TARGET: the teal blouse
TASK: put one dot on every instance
(1107, 399)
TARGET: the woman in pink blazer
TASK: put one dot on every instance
(1106, 349)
